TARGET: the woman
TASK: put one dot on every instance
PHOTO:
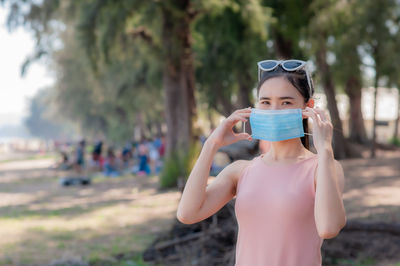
(287, 200)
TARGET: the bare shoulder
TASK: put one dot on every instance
(238, 165)
(227, 179)
(235, 169)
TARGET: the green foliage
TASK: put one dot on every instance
(171, 171)
(358, 262)
(40, 123)
(109, 56)
(106, 75)
(102, 25)
(290, 21)
(395, 141)
(107, 100)
(179, 165)
(229, 40)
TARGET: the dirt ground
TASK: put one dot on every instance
(371, 195)
(41, 221)
(372, 187)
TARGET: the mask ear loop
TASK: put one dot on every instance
(244, 127)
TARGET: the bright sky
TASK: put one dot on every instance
(14, 89)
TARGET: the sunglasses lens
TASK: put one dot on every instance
(268, 65)
(292, 64)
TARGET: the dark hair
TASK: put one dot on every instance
(298, 79)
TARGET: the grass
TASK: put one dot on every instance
(113, 220)
(109, 222)
(133, 260)
(362, 262)
(395, 141)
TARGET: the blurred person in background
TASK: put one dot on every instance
(97, 158)
(79, 163)
(111, 164)
(154, 156)
(144, 168)
(127, 155)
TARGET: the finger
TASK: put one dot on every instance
(313, 115)
(234, 118)
(246, 115)
(246, 110)
(321, 114)
(242, 116)
(305, 114)
(242, 136)
(310, 112)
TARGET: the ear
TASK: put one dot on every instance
(310, 103)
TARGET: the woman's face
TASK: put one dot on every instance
(278, 93)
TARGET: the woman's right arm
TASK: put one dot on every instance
(198, 200)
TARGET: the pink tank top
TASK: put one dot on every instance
(275, 213)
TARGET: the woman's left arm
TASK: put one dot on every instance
(330, 216)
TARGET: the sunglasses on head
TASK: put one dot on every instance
(288, 65)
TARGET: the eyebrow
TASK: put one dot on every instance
(281, 98)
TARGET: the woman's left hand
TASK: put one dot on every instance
(322, 129)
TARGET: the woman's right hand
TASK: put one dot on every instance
(223, 135)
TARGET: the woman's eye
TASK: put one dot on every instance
(265, 102)
(286, 103)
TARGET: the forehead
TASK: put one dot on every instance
(278, 87)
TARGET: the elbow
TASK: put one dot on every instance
(185, 219)
(331, 231)
(328, 234)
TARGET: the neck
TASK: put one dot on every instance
(286, 149)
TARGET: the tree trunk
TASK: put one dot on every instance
(141, 125)
(339, 142)
(210, 118)
(159, 129)
(373, 144)
(377, 59)
(283, 46)
(356, 122)
(244, 93)
(396, 125)
(188, 65)
(225, 106)
(178, 76)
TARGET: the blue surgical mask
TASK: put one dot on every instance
(276, 125)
